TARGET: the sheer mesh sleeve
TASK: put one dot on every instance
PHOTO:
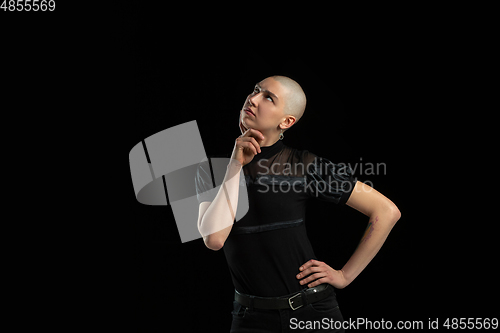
(204, 185)
(329, 181)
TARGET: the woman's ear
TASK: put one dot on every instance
(287, 122)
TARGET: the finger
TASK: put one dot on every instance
(309, 264)
(252, 141)
(255, 133)
(256, 144)
(317, 282)
(307, 271)
(312, 277)
(249, 146)
(258, 134)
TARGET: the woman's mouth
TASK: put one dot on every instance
(249, 112)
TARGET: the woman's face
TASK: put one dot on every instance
(264, 107)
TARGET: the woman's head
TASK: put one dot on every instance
(276, 104)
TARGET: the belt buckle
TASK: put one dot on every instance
(290, 302)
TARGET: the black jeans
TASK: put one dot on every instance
(321, 316)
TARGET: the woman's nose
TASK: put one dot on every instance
(253, 99)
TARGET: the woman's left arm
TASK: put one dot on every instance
(383, 215)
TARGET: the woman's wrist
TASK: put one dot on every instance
(233, 168)
(345, 277)
(234, 163)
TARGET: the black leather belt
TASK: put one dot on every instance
(298, 300)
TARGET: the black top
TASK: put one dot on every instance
(268, 245)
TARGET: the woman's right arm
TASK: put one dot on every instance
(216, 218)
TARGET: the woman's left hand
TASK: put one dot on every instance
(316, 272)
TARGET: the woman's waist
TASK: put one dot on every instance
(260, 225)
(264, 267)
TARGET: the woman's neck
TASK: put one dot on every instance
(269, 139)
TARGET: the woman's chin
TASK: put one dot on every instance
(245, 126)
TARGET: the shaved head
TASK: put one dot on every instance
(295, 99)
(274, 106)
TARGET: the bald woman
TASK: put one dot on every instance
(279, 283)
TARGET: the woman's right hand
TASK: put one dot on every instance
(247, 146)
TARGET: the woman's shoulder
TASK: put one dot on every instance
(300, 155)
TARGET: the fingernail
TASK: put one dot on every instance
(301, 268)
(298, 276)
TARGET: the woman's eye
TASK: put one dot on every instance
(269, 98)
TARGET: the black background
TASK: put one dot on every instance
(376, 97)
(394, 86)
